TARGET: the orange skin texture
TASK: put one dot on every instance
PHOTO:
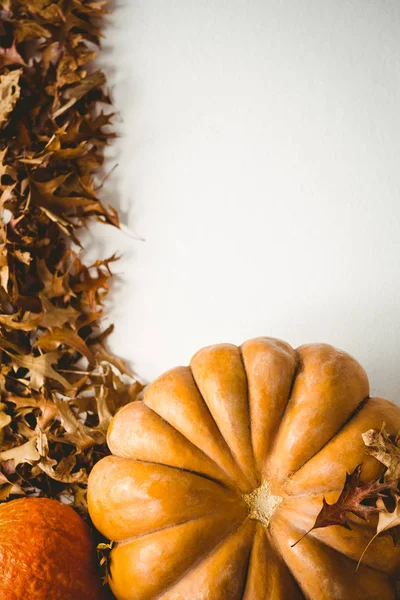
(46, 553)
(173, 494)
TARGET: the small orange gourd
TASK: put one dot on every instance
(46, 553)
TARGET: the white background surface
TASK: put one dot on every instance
(259, 158)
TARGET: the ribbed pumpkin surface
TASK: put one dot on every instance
(224, 465)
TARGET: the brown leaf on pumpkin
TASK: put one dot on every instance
(388, 522)
(350, 501)
(385, 449)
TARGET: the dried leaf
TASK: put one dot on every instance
(5, 487)
(63, 470)
(63, 335)
(59, 386)
(29, 30)
(104, 356)
(28, 323)
(27, 453)
(350, 501)
(54, 316)
(23, 257)
(77, 92)
(380, 445)
(10, 56)
(76, 433)
(388, 520)
(40, 367)
(9, 93)
(102, 410)
(5, 420)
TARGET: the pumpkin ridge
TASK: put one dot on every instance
(354, 560)
(355, 412)
(275, 546)
(229, 475)
(295, 373)
(314, 494)
(319, 543)
(274, 560)
(123, 542)
(202, 558)
(257, 474)
(292, 383)
(347, 556)
(226, 445)
(232, 475)
(334, 537)
(197, 473)
(246, 576)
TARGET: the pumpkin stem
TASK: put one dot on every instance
(262, 503)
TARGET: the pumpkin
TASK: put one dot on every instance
(45, 553)
(224, 465)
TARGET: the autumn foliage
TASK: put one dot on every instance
(59, 384)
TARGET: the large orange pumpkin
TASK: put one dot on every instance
(224, 465)
(46, 553)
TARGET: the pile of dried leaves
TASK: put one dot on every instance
(379, 497)
(59, 385)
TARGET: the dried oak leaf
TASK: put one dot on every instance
(54, 316)
(54, 284)
(5, 487)
(381, 445)
(9, 93)
(75, 93)
(39, 368)
(28, 29)
(29, 322)
(51, 340)
(51, 153)
(77, 434)
(350, 501)
(103, 553)
(62, 471)
(45, 410)
(48, 10)
(27, 453)
(23, 257)
(10, 56)
(388, 522)
(5, 420)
